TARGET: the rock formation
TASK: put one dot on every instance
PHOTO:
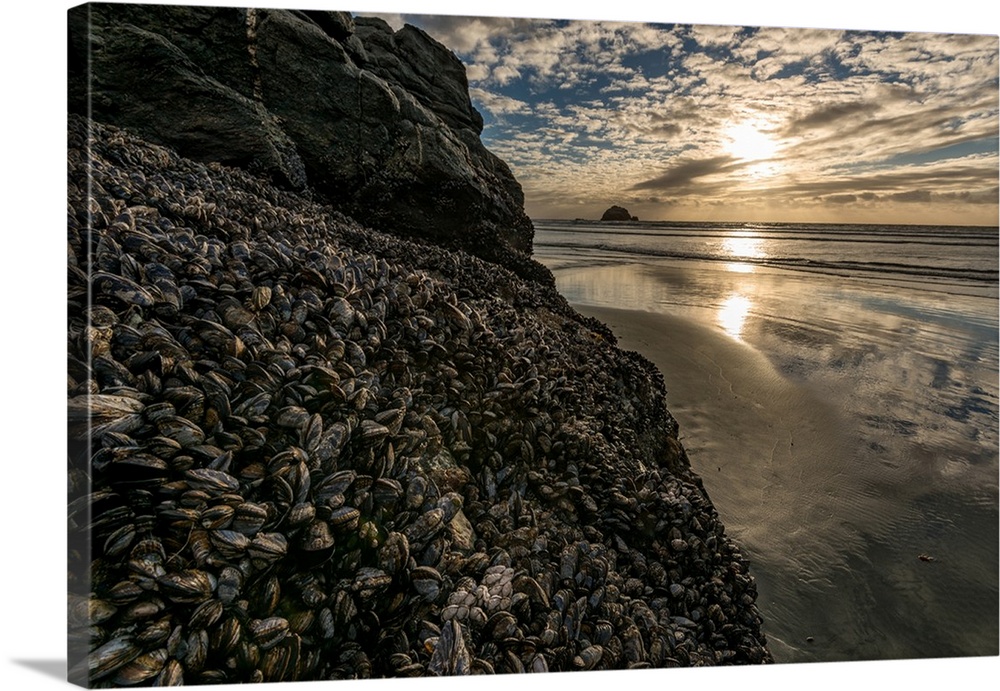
(301, 449)
(304, 448)
(618, 213)
(376, 123)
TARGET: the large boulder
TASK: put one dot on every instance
(377, 123)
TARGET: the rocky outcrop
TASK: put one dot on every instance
(301, 449)
(618, 213)
(374, 122)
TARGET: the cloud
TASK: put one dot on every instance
(715, 36)
(967, 174)
(477, 72)
(911, 196)
(504, 74)
(833, 113)
(545, 51)
(987, 196)
(683, 173)
(586, 110)
(467, 34)
(651, 123)
(498, 104)
(841, 198)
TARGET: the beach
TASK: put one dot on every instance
(845, 429)
(327, 416)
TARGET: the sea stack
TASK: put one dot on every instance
(618, 213)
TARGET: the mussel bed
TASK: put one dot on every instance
(301, 449)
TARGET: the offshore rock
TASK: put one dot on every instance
(377, 123)
(618, 213)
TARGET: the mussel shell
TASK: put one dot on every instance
(143, 668)
(269, 632)
(112, 656)
(188, 587)
(317, 537)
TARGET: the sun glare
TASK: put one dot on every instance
(743, 245)
(748, 142)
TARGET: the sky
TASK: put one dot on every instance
(714, 122)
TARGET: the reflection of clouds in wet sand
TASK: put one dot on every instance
(774, 460)
(830, 425)
(799, 333)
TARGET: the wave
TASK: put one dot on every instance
(841, 267)
(884, 238)
(826, 229)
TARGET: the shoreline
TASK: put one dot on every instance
(729, 400)
(828, 468)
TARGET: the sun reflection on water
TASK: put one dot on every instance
(744, 245)
(733, 314)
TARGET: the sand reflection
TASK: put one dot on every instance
(733, 314)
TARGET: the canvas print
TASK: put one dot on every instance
(413, 345)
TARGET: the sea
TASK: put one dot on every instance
(836, 388)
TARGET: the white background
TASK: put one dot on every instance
(32, 332)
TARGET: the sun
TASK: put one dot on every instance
(747, 142)
(754, 149)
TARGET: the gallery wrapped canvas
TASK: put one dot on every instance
(372, 322)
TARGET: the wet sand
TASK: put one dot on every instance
(732, 404)
(832, 445)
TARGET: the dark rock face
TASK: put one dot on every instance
(618, 213)
(377, 123)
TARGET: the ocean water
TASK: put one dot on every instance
(837, 390)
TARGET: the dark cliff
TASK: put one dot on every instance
(376, 123)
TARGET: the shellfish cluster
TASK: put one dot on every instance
(300, 449)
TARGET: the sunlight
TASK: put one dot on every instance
(748, 142)
(744, 245)
(733, 313)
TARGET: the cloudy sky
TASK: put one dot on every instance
(705, 122)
